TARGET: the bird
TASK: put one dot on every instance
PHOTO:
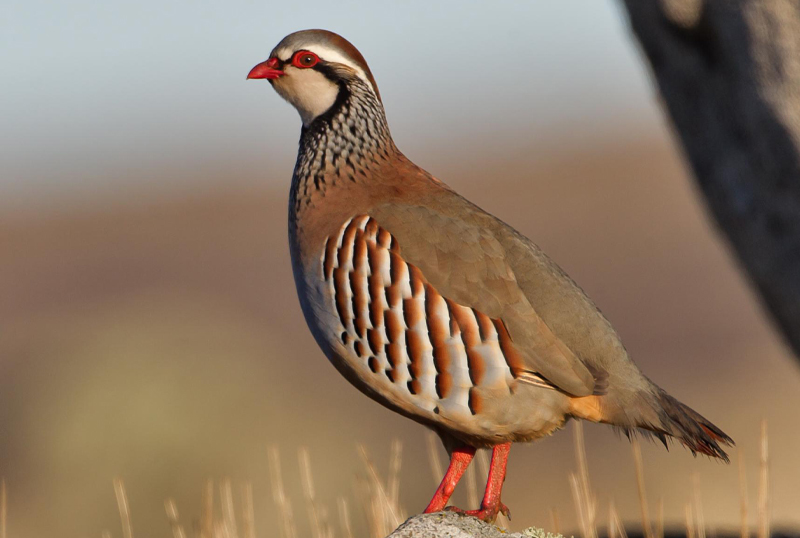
(435, 308)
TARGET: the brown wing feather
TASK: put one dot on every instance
(467, 265)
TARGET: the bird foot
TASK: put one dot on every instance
(486, 513)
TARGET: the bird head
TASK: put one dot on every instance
(313, 69)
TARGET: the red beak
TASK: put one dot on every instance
(268, 69)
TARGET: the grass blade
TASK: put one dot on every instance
(434, 459)
(124, 508)
(174, 519)
(763, 485)
(248, 512)
(698, 508)
(228, 510)
(647, 529)
(744, 531)
(279, 494)
(585, 501)
(207, 511)
(308, 491)
(344, 518)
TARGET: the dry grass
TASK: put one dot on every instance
(384, 512)
(615, 527)
(124, 508)
(248, 512)
(3, 508)
(279, 495)
(745, 525)
(473, 495)
(174, 519)
(316, 516)
(344, 518)
(647, 529)
(555, 521)
(379, 500)
(585, 500)
(699, 516)
(207, 511)
(433, 457)
(763, 486)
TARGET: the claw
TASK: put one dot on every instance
(487, 514)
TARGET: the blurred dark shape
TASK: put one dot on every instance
(729, 76)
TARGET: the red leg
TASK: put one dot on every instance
(459, 461)
(491, 504)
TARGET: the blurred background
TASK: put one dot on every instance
(149, 327)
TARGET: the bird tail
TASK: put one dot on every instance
(656, 414)
(688, 426)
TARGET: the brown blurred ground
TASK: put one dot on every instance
(161, 341)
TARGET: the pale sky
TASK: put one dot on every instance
(98, 95)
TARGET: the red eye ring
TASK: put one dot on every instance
(304, 59)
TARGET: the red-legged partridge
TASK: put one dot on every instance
(433, 307)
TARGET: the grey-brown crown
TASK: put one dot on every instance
(304, 39)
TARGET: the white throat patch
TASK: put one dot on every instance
(309, 91)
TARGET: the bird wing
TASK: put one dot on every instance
(460, 257)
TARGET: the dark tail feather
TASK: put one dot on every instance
(687, 426)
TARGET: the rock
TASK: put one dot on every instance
(453, 525)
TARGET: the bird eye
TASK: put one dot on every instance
(305, 59)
